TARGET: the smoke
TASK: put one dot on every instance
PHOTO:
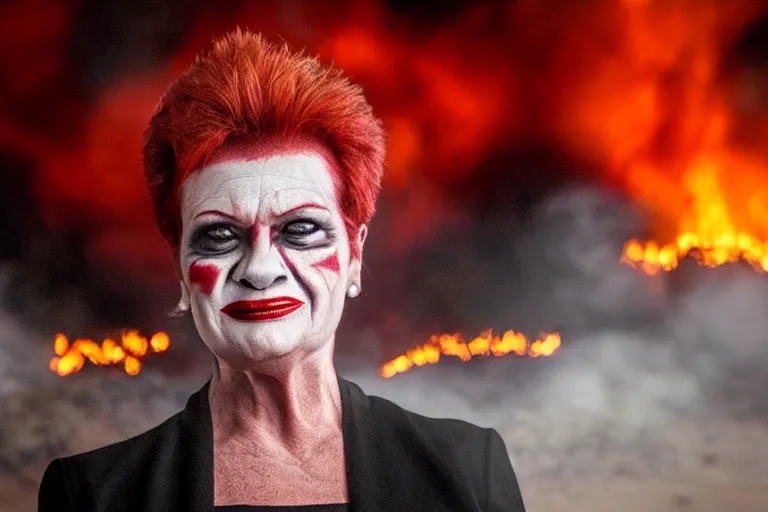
(641, 355)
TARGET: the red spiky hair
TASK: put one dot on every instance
(246, 87)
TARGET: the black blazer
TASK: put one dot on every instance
(396, 461)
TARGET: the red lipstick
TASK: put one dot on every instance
(261, 310)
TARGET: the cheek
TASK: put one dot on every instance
(330, 263)
(319, 273)
(204, 276)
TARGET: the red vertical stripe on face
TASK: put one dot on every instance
(254, 231)
(331, 263)
(204, 276)
(288, 263)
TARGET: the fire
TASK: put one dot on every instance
(624, 84)
(71, 357)
(676, 144)
(708, 230)
(484, 345)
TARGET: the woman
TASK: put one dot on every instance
(264, 168)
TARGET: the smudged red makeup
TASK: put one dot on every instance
(237, 211)
(203, 275)
(330, 263)
(254, 232)
(232, 217)
(305, 205)
(290, 264)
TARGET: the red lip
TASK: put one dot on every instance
(261, 310)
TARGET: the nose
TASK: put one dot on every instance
(260, 267)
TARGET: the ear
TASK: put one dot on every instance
(183, 306)
(356, 259)
(362, 233)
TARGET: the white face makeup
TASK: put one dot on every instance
(265, 256)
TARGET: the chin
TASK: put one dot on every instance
(247, 352)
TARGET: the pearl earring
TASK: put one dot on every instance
(183, 306)
(353, 291)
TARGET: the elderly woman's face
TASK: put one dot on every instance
(264, 255)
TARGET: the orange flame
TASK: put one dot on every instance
(70, 358)
(708, 231)
(484, 345)
(679, 140)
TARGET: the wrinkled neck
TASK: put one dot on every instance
(293, 400)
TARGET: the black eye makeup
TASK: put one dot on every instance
(306, 232)
(300, 230)
(215, 239)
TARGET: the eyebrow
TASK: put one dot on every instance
(222, 214)
(242, 221)
(301, 206)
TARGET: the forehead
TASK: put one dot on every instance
(281, 179)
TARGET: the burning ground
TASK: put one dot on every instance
(528, 145)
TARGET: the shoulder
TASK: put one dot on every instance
(450, 441)
(132, 453)
(115, 460)
(98, 478)
(452, 434)
(438, 453)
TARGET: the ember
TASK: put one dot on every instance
(71, 357)
(484, 345)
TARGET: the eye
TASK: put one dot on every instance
(301, 227)
(220, 234)
(304, 232)
(215, 240)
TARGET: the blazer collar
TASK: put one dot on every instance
(369, 478)
(371, 482)
(196, 493)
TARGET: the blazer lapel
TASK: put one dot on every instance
(373, 483)
(196, 493)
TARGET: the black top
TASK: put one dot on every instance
(336, 507)
(395, 461)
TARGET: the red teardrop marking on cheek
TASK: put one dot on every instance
(204, 276)
(330, 263)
